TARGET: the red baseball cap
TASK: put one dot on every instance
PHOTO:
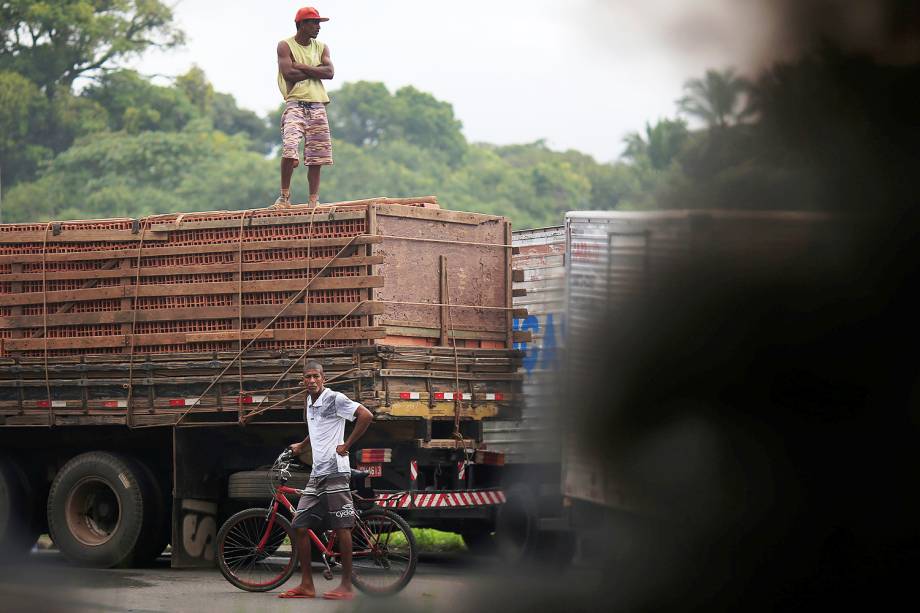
(308, 12)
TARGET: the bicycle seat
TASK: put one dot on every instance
(359, 475)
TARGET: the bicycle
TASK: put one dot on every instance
(256, 548)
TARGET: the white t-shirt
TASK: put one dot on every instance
(326, 426)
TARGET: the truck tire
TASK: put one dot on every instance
(157, 525)
(516, 533)
(256, 484)
(18, 525)
(98, 509)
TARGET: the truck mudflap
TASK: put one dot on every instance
(463, 499)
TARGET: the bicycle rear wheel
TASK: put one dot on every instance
(384, 553)
(243, 563)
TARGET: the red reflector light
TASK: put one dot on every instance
(44, 404)
(375, 456)
(177, 402)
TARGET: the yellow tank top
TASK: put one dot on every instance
(308, 90)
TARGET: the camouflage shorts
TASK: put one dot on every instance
(306, 121)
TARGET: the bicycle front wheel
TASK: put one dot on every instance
(384, 553)
(244, 563)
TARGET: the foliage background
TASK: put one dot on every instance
(81, 137)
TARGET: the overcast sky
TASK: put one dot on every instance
(580, 73)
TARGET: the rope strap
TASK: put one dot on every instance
(45, 321)
(137, 284)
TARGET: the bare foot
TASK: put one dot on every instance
(343, 592)
(301, 591)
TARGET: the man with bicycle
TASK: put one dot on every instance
(326, 502)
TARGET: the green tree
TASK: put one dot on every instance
(361, 113)
(423, 120)
(660, 144)
(20, 104)
(53, 44)
(197, 89)
(719, 99)
(366, 114)
(116, 175)
(135, 104)
(229, 118)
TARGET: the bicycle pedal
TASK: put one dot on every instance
(327, 575)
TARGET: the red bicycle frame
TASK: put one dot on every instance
(325, 548)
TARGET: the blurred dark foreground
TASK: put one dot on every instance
(768, 420)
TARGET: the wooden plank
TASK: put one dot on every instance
(286, 335)
(517, 293)
(189, 314)
(509, 292)
(444, 298)
(292, 379)
(155, 420)
(161, 271)
(381, 200)
(276, 220)
(223, 335)
(27, 420)
(229, 247)
(331, 354)
(408, 408)
(517, 275)
(79, 236)
(178, 338)
(394, 330)
(528, 262)
(449, 374)
(471, 219)
(178, 373)
(479, 397)
(519, 336)
(448, 443)
(520, 313)
(192, 289)
(544, 275)
(542, 284)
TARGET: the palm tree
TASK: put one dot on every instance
(720, 98)
(659, 145)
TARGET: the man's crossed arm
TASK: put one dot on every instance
(294, 71)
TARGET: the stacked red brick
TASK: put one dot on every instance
(172, 283)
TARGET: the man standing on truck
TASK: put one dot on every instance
(326, 502)
(303, 64)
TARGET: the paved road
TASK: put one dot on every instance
(46, 583)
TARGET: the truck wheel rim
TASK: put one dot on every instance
(93, 511)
